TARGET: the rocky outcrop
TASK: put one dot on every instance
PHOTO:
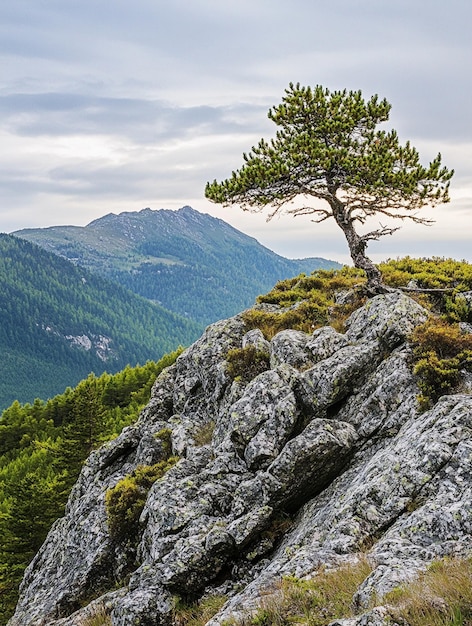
(328, 440)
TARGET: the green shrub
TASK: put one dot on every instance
(444, 339)
(165, 435)
(306, 317)
(457, 309)
(244, 364)
(125, 501)
(307, 302)
(441, 351)
(429, 273)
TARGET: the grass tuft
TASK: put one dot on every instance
(204, 433)
(99, 617)
(441, 596)
(314, 602)
(197, 613)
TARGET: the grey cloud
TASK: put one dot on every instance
(143, 121)
(212, 35)
(162, 173)
(414, 53)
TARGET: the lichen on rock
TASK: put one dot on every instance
(328, 438)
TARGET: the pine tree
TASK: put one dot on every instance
(34, 505)
(329, 160)
(83, 431)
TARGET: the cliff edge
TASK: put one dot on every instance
(321, 459)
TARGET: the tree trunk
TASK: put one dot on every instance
(357, 248)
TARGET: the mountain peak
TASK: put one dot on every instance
(192, 263)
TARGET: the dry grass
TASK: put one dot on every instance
(197, 613)
(314, 602)
(99, 617)
(306, 302)
(204, 434)
(441, 596)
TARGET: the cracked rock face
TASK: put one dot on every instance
(327, 445)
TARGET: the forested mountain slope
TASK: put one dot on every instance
(42, 448)
(59, 322)
(189, 262)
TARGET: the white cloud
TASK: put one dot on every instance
(118, 107)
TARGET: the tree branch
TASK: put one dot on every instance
(375, 235)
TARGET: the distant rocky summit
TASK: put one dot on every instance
(321, 459)
(191, 263)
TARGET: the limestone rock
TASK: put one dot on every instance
(325, 342)
(256, 338)
(319, 458)
(290, 346)
(388, 318)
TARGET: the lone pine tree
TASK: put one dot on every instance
(328, 149)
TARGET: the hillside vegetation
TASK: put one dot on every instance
(442, 351)
(191, 263)
(59, 322)
(42, 448)
(308, 302)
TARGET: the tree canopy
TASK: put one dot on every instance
(328, 148)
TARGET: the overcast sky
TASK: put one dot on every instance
(111, 106)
